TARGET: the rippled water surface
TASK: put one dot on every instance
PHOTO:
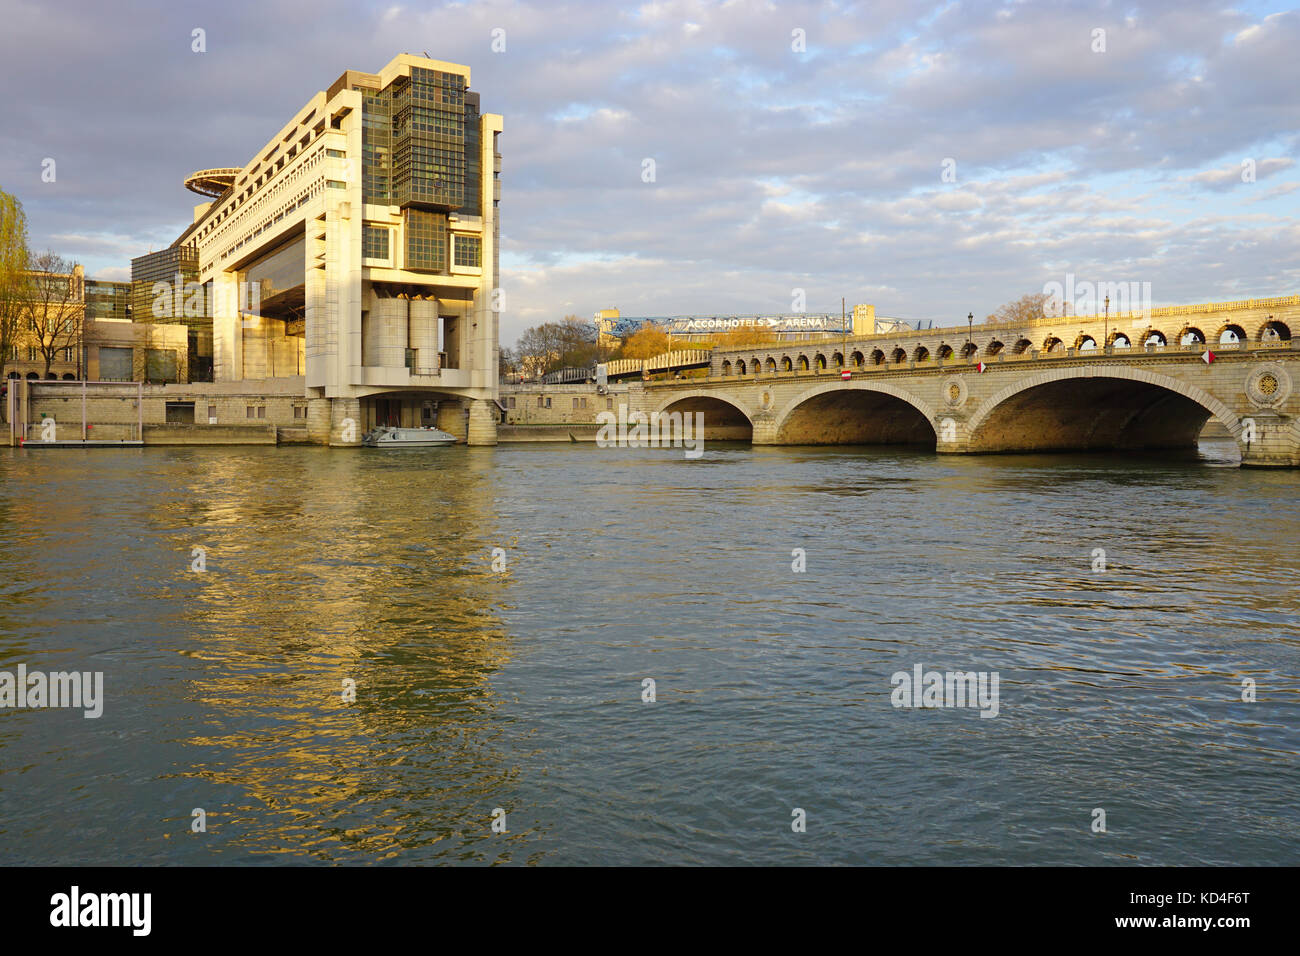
(522, 690)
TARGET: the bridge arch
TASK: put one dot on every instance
(858, 359)
(877, 357)
(1082, 409)
(856, 413)
(994, 348)
(1273, 331)
(725, 418)
(1230, 333)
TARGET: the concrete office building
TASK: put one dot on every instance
(356, 253)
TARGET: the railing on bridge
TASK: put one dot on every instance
(669, 361)
(810, 365)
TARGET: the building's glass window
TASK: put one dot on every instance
(539, 402)
(212, 413)
(510, 402)
(335, 184)
(261, 411)
(251, 411)
(300, 411)
(469, 251)
(609, 404)
(374, 242)
(548, 403)
(426, 240)
(335, 153)
(575, 404)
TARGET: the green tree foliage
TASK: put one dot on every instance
(13, 268)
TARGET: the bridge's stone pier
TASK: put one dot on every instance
(1034, 394)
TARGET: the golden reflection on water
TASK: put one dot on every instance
(314, 581)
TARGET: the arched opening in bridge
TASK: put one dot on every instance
(821, 362)
(1091, 414)
(726, 367)
(771, 364)
(994, 348)
(1053, 344)
(945, 352)
(1021, 347)
(877, 357)
(1232, 335)
(1154, 338)
(899, 356)
(858, 359)
(786, 365)
(1274, 331)
(722, 420)
(922, 354)
(838, 359)
(69, 377)
(1085, 343)
(969, 349)
(803, 363)
(1119, 340)
(1191, 336)
(740, 367)
(856, 416)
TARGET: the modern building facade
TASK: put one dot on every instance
(165, 289)
(357, 252)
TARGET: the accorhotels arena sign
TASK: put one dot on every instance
(780, 323)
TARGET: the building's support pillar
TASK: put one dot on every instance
(227, 334)
(383, 333)
(345, 422)
(482, 422)
(451, 418)
(423, 335)
(318, 420)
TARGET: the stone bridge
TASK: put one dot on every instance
(1042, 385)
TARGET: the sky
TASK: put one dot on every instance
(933, 159)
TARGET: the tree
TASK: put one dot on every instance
(646, 342)
(1021, 310)
(13, 274)
(55, 307)
(554, 345)
(746, 336)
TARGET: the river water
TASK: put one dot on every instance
(516, 695)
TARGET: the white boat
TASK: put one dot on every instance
(387, 436)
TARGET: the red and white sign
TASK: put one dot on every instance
(846, 375)
(980, 366)
(1208, 357)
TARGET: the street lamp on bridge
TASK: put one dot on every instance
(1105, 335)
